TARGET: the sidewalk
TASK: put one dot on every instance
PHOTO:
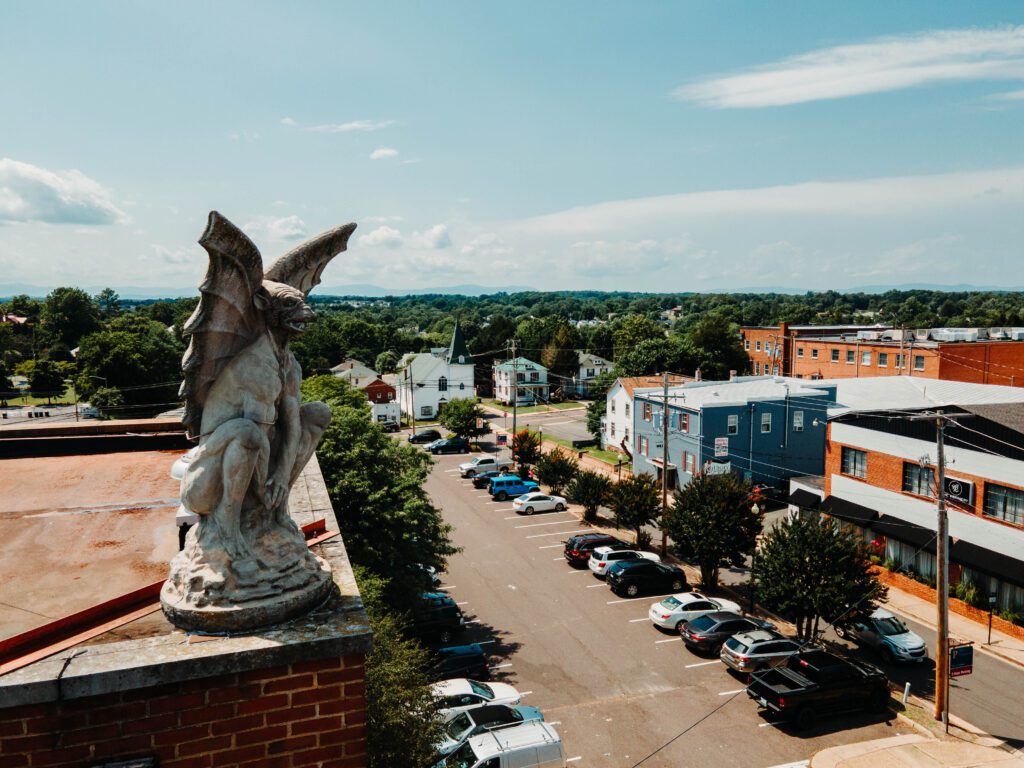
(915, 751)
(960, 627)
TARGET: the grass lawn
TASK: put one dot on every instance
(568, 405)
(66, 399)
(608, 457)
(507, 409)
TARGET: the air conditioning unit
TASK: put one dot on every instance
(869, 335)
(1015, 334)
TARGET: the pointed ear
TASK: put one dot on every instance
(261, 299)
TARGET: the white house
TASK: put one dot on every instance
(618, 416)
(354, 372)
(428, 380)
(591, 366)
(521, 381)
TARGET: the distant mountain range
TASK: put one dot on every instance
(375, 291)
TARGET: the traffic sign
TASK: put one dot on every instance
(961, 660)
(721, 447)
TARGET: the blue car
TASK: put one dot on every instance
(506, 487)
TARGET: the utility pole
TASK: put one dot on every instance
(942, 582)
(664, 463)
(515, 388)
(412, 396)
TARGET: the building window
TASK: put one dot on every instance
(689, 463)
(865, 358)
(775, 370)
(814, 353)
(746, 344)
(733, 424)
(627, 409)
(851, 357)
(757, 346)
(613, 407)
(462, 385)
(520, 377)
(442, 384)
(684, 422)
(1004, 503)
(611, 429)
(766, 422)
(590, 373)
(534, 376)
(757, 369)
(648, 411)
(918, 480)
(855, 463)
(426, 410)
(798, 421)
(799, 351)
(918, 362)
(835, 355)
(883, 359)
(767, 346)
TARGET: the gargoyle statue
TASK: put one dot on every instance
(246, 564)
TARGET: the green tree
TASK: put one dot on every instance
(634, 329)
(596, 412)
(460, 416)
(560, 355)
(636, 503)
(590, 490)
(711, 523)
(46, 380)
(526, 447)
(387, 362)
(717, 346)
(68, 314)
(108, 303)
(556, 469)
(7, 390)
(402, 722)
(335, 392)
(810, 568)
(109, 402)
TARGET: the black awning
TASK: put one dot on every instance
(908, 533)
(1003, 567)
(804, 499)
(847, 510)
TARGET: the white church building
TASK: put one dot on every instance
(431, 379)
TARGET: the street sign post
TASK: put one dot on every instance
(721, 447)
(991, 607)
(961, 659)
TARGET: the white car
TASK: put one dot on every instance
(602, 558)
(462, 693)
(529, 503)
(674, 611)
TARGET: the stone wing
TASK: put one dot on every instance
(301, 267)
(226, 319)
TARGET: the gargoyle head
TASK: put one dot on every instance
(284, 308)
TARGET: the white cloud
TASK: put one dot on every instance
(386, 237)
(31, 193)
(883, 64)
(289, 122)
(1009, 96)
(434, 238)
(625, 257)
(283, 228)
(383, 153)
(886, 196)
(381, 219)
(365, 126)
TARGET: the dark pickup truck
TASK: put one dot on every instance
(815, 682)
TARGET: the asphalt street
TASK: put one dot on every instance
(566, 424)
(617, 689)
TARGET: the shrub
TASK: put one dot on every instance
(590, 490)
(556, 469)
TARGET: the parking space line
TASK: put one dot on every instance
(670, 640)
(636, 621)
(593, 586)
(520, 517)
(525, 693)
(550, 546)
(573, 759)
(485, 642)
(573, 571)
(703, 664)
(730, 693)
(464, 602)
(538, 525)
(766, 725)
(556, 533)
(502, 666)
(635, 599)
(556, 558)
(449, 471)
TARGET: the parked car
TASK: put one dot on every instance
(886, 634)
(603, 558)
(676, 610)
(483, 479)
(529, 503)
(529, 745)
(579, 547)
(436, 616)
(425, 436)
(449, 445)
(457, 695)
(815, 682)
(757, 650)
(427, 574)
(461, 661)
(490, 717)
(483, 464)
(390, 425)
(709, 632)
(511, 485)
(634, 577)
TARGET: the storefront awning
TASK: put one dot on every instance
(1003, 567)
(804, 499)
(847, 510)
(908, 533)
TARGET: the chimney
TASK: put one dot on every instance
(696, 375)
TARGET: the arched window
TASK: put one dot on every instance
(442, 384)
(462, 385)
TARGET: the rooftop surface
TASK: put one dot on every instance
(741, 390)
(871, 393)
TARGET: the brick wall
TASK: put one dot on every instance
(307, 714)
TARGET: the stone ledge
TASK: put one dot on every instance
(340, 627)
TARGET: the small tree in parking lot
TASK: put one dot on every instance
(460, 417)
(711, 522)
(526, 447)
(556, 469)
(590, 490)
(636, 502)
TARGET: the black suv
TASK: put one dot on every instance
(425, 436)
(436, 616)
(449, 445)
(579, 547)
(461, 661)
(633, 577)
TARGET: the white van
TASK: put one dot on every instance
(530, 745)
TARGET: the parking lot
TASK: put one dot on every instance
(617, 689)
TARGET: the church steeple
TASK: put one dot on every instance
(458, 352)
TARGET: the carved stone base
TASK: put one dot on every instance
(277, 579)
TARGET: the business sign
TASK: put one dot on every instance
(721, 447)
(718, 468)
(502, 440)
(959, 491)
(961, 660)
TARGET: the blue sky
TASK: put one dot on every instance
(642, 146)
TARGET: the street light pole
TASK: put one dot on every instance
(942, 583)
(664, 464)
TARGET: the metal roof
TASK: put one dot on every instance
(874, 393)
